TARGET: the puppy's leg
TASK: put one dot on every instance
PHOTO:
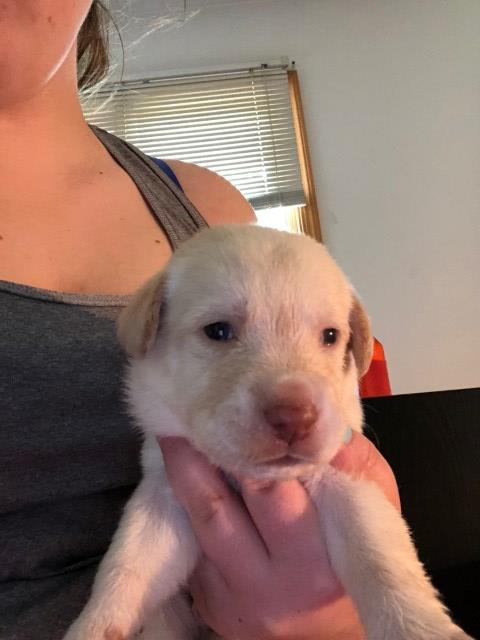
(371, 551)
(153, 552)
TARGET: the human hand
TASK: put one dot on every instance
(264, 573)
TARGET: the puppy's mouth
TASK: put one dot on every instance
(286, 461)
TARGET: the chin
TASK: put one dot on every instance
(284, 468)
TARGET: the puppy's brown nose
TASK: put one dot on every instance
(292, 422)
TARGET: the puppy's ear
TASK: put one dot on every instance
(361, 340)
(138, 323)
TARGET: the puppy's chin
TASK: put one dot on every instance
(284, 467)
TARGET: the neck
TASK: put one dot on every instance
(46, 135)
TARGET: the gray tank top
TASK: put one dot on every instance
(68, 454)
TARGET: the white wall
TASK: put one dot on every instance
(392, 103)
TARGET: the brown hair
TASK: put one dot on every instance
(92, 46)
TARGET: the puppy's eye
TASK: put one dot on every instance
(329, 336)
(220, 331)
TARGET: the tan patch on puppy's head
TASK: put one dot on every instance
(138, 323)
(361, 340)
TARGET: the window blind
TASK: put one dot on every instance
(238, 124)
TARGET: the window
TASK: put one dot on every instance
(242, 124)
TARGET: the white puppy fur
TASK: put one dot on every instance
(272, 400)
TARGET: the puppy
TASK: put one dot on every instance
(250, 344)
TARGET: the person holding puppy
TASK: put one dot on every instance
(84, 221)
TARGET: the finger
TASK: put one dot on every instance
(218, 516)
(286, 518)
(207, 586)
(361, 460)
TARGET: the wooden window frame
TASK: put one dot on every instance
(305, 219)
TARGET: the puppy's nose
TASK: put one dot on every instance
(292, 422)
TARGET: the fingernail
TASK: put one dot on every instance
(347, 436)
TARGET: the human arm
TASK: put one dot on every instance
(216, 199)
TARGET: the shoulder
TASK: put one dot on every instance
(217, 200)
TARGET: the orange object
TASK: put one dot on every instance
(375, 382)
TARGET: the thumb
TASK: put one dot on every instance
(362, 461)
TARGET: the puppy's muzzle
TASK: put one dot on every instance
(292, 412)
